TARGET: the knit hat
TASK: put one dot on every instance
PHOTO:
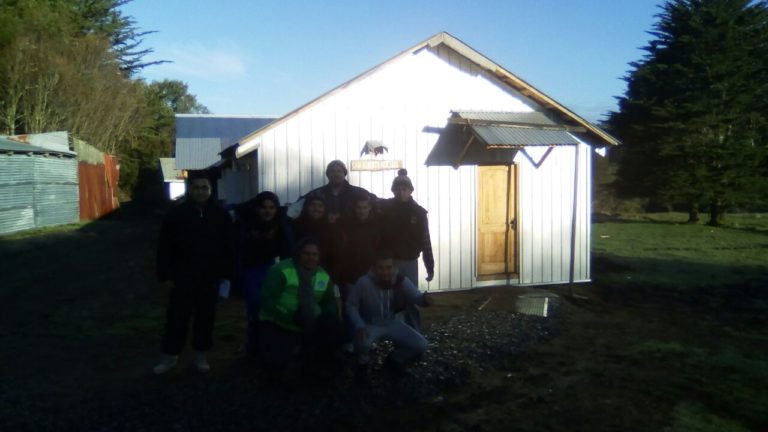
(401, 180)
(336, 163)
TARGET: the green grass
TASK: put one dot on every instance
(704, 292)
(39, 232)
(660, 251)
(693, 417)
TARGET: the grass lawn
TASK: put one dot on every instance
(693, 302)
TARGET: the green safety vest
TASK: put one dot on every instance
(288, 302)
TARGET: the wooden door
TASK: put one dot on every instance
(496, 216)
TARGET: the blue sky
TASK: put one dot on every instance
(269, 57)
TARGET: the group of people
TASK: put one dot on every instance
(343, 272)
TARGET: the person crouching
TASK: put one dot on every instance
(299, 311)
(372, 308)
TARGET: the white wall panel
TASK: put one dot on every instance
(546, 200)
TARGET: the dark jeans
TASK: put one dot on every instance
(279, 345)
(194, 301)
(253, 278)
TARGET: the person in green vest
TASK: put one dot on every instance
(300, 310)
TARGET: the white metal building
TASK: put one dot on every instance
(493, 160)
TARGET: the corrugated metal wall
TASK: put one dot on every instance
(37, 191)
(394, 106)
(98, 187)
(545, 214)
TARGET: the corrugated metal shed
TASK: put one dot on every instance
(36, 190)
(201, 137)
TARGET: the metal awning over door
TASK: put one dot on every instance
(475, 138)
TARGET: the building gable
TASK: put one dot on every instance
(469, 61)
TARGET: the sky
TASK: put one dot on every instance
(265, 57)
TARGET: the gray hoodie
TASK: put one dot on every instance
(371, 302)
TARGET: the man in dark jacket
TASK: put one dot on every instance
(194, 256)
(338, 194)
(361, 236)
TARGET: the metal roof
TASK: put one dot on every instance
(170, 173)
(512, 136)
(527, 118)
(53, 142)
(11, 146)
(201, 137)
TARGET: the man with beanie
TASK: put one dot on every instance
(338, 194)
(406, 229)
(194, 256)
(406, 233)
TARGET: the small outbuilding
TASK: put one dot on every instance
(38, 185)
(503, 169)
(200, 140)
(53, 178)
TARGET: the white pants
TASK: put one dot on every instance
(409, 344)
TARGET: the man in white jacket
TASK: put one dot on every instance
(372, 307)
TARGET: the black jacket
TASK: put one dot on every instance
(406, 231)
(343, 202)
(361, 241)
(195, 244)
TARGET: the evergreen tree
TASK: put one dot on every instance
(694, 117)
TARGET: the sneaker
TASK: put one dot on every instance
(169, 362)
(201, 363)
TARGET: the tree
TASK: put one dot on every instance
(104, 18)
(160, 101)
(175, 95)
(68, 64)
(694, 117)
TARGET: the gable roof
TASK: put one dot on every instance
(566, 116)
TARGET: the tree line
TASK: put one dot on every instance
(694, 118)
(72, 65)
